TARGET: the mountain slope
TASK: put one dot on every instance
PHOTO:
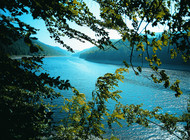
(21, 48)
(110, 55)
(77, 53)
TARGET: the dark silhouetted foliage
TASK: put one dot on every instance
(26, 93)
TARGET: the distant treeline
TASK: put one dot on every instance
(110, 54)
(21, 48)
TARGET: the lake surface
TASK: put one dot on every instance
(136, 90)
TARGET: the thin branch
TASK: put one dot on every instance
(144, 28)
(164, 129)
(140, 24)
(132, 58)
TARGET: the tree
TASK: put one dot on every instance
(25, 92)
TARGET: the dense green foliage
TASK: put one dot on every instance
(24, 114)
(109, 53)
(123, 52)
(26, 93)
(21, 48)
(56, 15)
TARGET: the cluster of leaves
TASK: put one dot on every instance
(153, 13)
(88, 119)
(56, 14)
(24, 112)
(24, 92)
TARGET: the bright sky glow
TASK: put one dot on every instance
(44, 36)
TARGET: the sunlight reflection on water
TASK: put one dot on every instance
(136, 90)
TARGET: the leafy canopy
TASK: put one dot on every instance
(26, 93)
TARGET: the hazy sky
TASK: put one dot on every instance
(43, 34)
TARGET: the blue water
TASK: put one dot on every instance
(136, 90)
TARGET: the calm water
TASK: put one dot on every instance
(136, 90)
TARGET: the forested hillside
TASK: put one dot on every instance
(21, 48)
(111, 55)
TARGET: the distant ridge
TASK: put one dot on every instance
(21, 48)
(113, 56)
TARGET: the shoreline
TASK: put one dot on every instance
(20, 56)
(179, 67)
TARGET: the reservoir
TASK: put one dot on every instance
(83, 74)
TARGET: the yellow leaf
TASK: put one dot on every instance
(81, 101)
(160, 14)
(65, 108)
(121, 80)
(165, 42)
(159, 42)
(134, 18)
(75, 2)
(188, 34)
(102, 125)
(102, 118)
(82, 95)
(155, 49)
(67, 100)
(77, 118)
(112, 11)
(120, 116)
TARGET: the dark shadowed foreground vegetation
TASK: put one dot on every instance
(26, 93)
